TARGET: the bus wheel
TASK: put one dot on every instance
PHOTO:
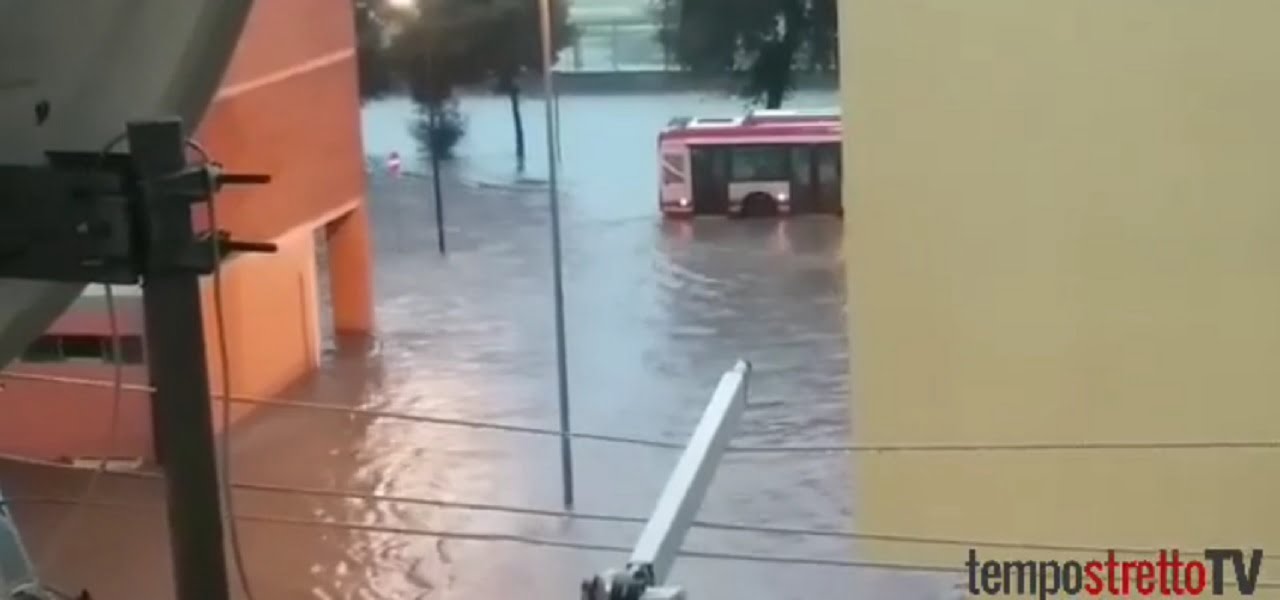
(759, 204)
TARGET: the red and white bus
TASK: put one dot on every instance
(768, 162)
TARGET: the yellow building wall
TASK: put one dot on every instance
(1063, 225)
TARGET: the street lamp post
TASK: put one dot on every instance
(562, 371)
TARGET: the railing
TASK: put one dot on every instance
(614, 44)
(16, 573)
(645, 574)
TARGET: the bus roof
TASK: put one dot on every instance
(757, 124)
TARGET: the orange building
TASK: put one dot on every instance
(288, 106)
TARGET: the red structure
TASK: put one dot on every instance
(289, 107)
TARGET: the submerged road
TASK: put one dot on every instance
(656, 311)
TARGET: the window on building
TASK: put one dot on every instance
(83, 348)
(130, 349)
(44, 349)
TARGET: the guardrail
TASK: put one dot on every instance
(645, 575)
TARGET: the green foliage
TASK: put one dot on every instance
(446, 44)
(434, 52)
(511, 35)
(761, 42)
(376, 76)
(439, 46)
(438, 130)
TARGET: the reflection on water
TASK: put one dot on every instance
(656, 311)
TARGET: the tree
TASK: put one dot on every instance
(762, 41)
(374, 69)
(511, 36)
(434, 53)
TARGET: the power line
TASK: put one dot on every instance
(116, 384)
(371, 413)
(704, 524)
(1014, 447)
(700, 524)
(736, 449)
(60, 531)
(525, 540)
(555, 543)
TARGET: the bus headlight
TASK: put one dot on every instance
(684, 202)
(783, 197)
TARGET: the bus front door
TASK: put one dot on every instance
(828, 178)
(804, 197)
(710, 169)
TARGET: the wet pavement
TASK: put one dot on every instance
(656, 311)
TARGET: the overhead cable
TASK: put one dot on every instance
(736, 449)
(556, 543)
(525, 539)
(116, 384)
(699, 524)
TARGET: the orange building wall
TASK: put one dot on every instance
(271, 314)
(288, 107)
(55, 421)
(270, 310)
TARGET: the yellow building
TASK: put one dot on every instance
(1064, 227)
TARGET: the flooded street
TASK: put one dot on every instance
(656, 311)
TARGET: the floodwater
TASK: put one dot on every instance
(656, 311)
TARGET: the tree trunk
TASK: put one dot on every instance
(780, 55)
(774, 72)
(774, 96)
(513, 92)
(436, 122)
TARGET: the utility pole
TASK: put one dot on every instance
(562, 368)
(127, 219)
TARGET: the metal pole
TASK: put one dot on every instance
(556, 101)
(677, 507)
(562, 370)
(182, 421)
(434, 116)
(645, 576)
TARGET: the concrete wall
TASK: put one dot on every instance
(1063, 227)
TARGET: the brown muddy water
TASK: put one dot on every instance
(656, 312)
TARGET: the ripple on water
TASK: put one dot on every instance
(656, 311)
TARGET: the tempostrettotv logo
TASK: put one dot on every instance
(1170, 574)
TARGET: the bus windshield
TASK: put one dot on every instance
(759, 163)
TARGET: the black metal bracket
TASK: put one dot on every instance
(126, 219)
(96, 218)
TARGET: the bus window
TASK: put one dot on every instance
(802, 164)
(759, 163)
(828, 156)
(829, 165)
(672, 169)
